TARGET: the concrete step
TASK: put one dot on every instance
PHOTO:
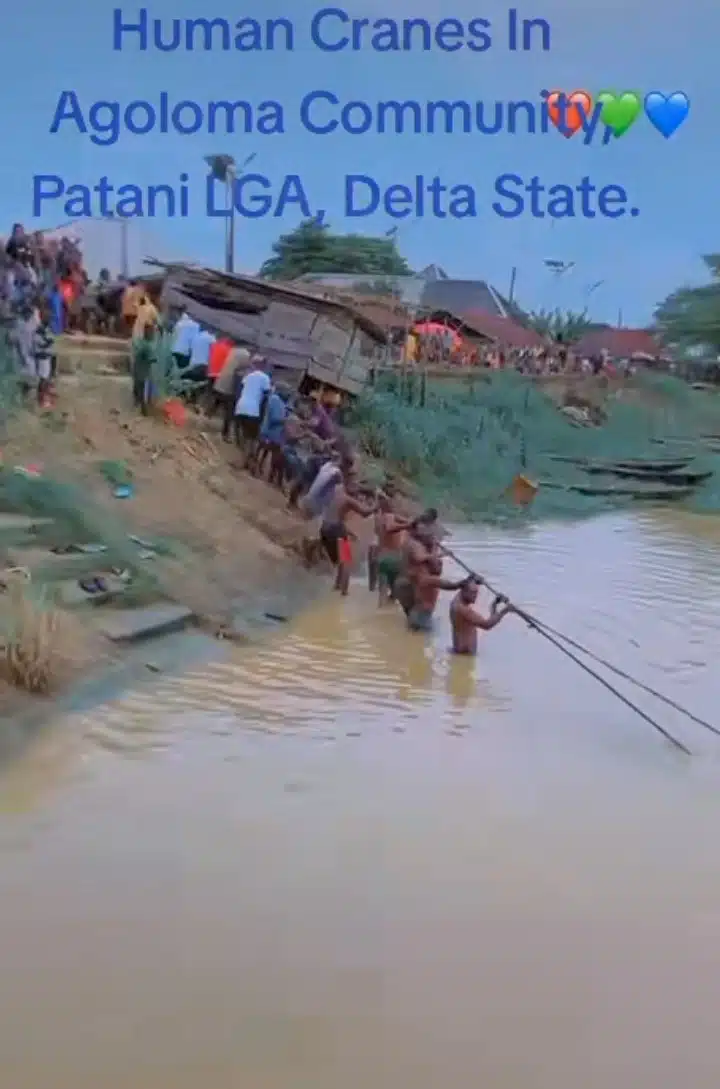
(15, 522)
(93, 341)
(17, 530)
(134, 625)
(48, 566)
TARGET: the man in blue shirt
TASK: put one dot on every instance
(272, 434)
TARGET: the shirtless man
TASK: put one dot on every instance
(391, 530)
(420, 545)
(334, 532)
(427, 584)
(466, 620)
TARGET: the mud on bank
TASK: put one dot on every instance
(233, 547)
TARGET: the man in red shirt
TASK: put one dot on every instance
(219, 352)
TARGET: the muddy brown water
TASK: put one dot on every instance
(343, 859)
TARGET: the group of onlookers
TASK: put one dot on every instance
(280, 432)
(431, 344)
(40, 279)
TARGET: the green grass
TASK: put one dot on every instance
(464, 445)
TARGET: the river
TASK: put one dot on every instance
(345, 860)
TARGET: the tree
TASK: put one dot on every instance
(558, 324)
(313, 247)
(690, 317)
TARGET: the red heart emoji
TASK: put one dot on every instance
(569, 120)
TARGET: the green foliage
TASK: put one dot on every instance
(313, 247)
(690, 317)
(463, 449)
(564, 324)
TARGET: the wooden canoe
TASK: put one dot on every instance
(679, 479)
(655, 494)
(639, 465)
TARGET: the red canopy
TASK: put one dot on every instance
(436, 328)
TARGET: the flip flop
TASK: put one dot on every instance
(93, 586)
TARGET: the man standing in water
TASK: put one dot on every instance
(334, 532)
(466, 620)
(420, 545)
(388, 558)
(427, 583)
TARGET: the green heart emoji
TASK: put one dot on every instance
(619, 112)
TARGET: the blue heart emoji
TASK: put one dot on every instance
(667, 112)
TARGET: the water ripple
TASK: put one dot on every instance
(642, 593)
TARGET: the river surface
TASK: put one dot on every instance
(345, 860)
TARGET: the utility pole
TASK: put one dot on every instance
(230, 233)
(224, 169)
(124, 249)
(513, 279)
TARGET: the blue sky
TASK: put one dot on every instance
(621, 44)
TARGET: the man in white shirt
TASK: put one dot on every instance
(250, 408)
(183, 335)
(197, 370)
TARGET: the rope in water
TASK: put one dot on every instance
(555, 639)
(633, 680)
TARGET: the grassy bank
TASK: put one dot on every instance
(461, 443)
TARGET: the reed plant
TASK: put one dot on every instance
(462, 442)
(35, 640)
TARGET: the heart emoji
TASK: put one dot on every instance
(578, 108)
(619, 112)
(667, 112)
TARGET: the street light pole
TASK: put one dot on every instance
(224, 169)
(230, 180)
(124, 249)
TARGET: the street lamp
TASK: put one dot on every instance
(224, 169)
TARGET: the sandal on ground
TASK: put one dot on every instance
(93, 585)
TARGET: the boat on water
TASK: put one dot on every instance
(666, 476)
(641, 465)
(671, 494)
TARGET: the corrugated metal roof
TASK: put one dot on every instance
(502, 330)
(619, 343)
(462, 296)
(236, 292)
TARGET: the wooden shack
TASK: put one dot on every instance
(316, 338)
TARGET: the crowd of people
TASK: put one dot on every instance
(44, 291)
(297, 443)
(431, 344)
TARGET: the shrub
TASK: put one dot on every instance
(35, 645)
